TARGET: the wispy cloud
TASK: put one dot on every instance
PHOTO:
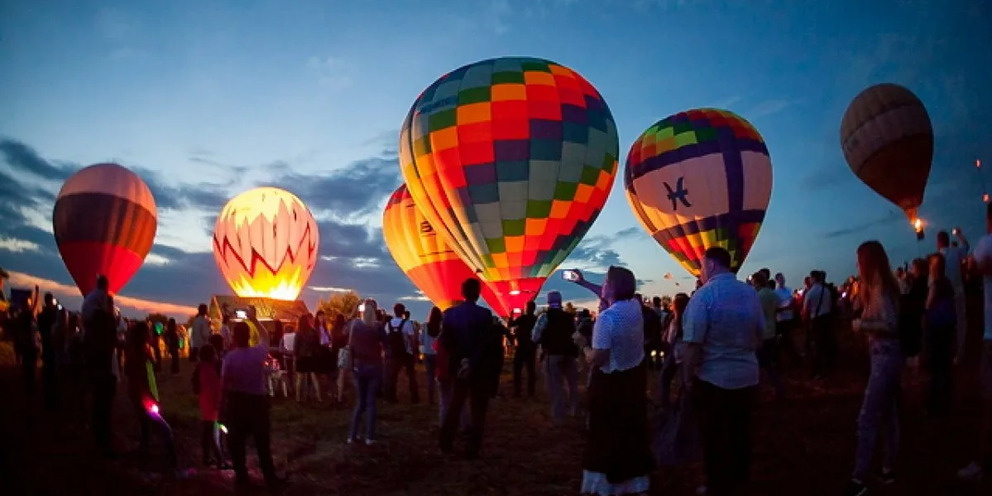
(769, 107)
(330, 72)
(890, 217)
(17, 245)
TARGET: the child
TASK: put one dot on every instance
(142, 389)
(207, 386)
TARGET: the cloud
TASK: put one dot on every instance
(769, 107)
(596, 251)
(352, 191)
(17, 245)
(888, 218)
(172, 195)
(22, 157)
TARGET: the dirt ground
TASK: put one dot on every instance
(803, 445)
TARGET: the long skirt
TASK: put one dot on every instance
(618, 458)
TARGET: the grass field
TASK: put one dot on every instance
(803, 446)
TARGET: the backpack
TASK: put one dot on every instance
(396, 339)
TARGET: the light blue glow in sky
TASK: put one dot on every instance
(317, 85)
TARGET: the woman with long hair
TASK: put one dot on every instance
(941, 322)
(429, 336)
(878, 304)
(143, 391)
(617, 459)
(306, 352)
(367, 344)
(675, 349)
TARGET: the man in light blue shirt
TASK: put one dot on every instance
(723, 328)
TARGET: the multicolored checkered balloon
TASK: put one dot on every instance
(699, 179)
(511, 160)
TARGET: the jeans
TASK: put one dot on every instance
(768, 357)
(962, 320)
(559, 369)
(146, 419)
(823, 345)
(393, 367)
(430, 367)
(880, 409)
(367, 381)
(669, 370)
(210, 442)
(523, 358)
(248, 415)
(940, 348)
(478, 399)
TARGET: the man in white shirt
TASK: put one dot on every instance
(953, 256)
(983, 257)
(723, 328)
(201, 333)
(785, 318)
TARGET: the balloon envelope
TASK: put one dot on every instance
(423, 256)
(265, 243)
(888, 143)
(511, 160)
(104, 223)
(699, 179)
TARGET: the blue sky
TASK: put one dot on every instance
(209, 98)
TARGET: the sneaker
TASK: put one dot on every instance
(972, 473)
(886, 477)
(855, 488)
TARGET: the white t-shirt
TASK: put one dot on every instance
(784, 295)
(288, 341)
(983, 255)
(953, 257)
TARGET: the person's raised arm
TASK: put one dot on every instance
(964, 241)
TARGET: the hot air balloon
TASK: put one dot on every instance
(265, 244)
(511, 160)
(698, 179)
(888, 143)
(104, 223)
(424, 257)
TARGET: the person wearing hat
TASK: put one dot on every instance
(553, 333)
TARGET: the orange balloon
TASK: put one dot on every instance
(265, 244)
(424, 257)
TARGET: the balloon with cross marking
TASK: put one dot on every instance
(698, 179)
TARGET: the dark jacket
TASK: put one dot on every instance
(465, 330)
(523, 328)
(367, 344)
(556, 339)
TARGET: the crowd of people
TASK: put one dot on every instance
(708, 349)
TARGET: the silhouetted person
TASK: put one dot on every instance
(247, 413)
(466, 328)
(100, 342)
(172, 342)
(526, 351)
(46, 327)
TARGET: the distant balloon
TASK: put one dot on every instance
(424, 257)
(699, 179)
(104, 223)
(511, 160)
(265, 244)
(888, 142)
